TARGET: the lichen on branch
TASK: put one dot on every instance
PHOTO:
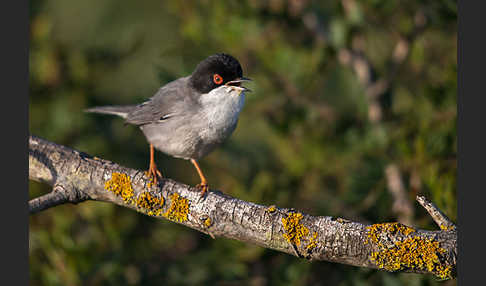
(399, 249)
(387, 246)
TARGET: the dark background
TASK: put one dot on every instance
(351, 98)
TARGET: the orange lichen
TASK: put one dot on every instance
(152, 204)
(179, 208)
(121, 185)
(413, 252)
(294, 230)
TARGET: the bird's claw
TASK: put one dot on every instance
(203, 187)
(153, 175)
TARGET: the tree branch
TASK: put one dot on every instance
(47, 201)
(77, 177)
(439, 217)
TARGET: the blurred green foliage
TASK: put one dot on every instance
(306, 138)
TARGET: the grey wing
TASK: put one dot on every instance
(148, 112)
(166, 103)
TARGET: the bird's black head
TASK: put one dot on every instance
(215, 71)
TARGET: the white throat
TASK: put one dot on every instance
(222, 107)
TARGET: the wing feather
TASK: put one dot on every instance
(165, 104)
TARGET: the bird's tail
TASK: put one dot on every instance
(120, 110)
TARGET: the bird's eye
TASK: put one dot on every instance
(217, 79)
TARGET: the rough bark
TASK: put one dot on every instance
(76, 177)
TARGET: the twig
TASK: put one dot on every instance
(439, 217)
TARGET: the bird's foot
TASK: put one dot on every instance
(153, 173)
(203, 187)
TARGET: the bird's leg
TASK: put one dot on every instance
(152, 172)
(204, 183)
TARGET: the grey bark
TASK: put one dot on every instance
(76, 177)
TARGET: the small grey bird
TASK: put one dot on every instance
(189, 117)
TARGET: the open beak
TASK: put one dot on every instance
(236, 84)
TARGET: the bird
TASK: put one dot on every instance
(189, 117)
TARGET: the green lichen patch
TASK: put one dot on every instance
(412, 252)
(179, 208)
(121, 185)
(294, 230)
(150, 203)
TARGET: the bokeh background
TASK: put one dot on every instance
(353, 113)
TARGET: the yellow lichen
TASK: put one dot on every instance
(121, 185)
(294, 230)
(271, 209)
(152, 204)
(179, 208)
(151, 179)
(413, 252)
(375, 230)
(207, 222)
(312, 242)
(446, 228)
(443, 271)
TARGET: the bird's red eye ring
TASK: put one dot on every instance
(217, 79)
